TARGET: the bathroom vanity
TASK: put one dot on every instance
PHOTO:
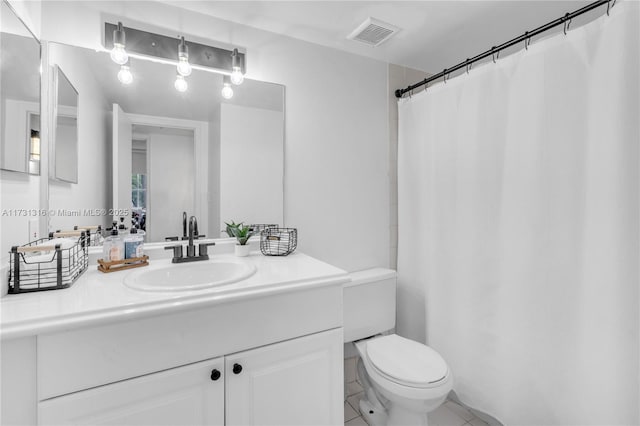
(263, 350)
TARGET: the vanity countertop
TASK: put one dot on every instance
(98, 298)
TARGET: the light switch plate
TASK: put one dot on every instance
(34, 231)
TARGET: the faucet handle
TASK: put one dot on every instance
(202, 248)
(177, 251)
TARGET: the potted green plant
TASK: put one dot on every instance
(242, 233)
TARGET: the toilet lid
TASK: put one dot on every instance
(406, 361)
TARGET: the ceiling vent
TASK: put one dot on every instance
(373, 32)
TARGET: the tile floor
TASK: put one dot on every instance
(448, 414)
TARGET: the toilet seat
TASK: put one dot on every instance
(406, 362)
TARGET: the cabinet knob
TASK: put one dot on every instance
(237, 368)
(215, 374)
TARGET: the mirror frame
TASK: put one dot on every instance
(53, 172)
(28, 166)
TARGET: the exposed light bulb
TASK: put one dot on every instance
(227, 91)
(124, 75)
(184, 67)
(236, 76)
(180, 84)
(119, 55)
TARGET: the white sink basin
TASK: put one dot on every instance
(189, 276)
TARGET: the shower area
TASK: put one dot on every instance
(519, 233)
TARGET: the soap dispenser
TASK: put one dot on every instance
(133, 244)
(113, 247)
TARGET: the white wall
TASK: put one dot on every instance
(251, 172)
(139, 157)
(336, 147)
(170, 188)
(30, 11)
(93, 190)
(66, 158)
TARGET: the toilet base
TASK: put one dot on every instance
(372, 415)
(381, 417)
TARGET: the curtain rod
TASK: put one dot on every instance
(495, 49)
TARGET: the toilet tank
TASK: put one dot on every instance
(369, 303)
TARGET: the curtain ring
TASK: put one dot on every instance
(426, 85)
(410, 93)
(493, 54)
(567, 22)
(444, 76)
(468, 65)
(527, 40)
(608, 7)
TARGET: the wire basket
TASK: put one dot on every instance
(278, 241)
(39, 266)
(94, 234)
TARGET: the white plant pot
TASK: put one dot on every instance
(242, 251)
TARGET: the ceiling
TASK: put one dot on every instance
(434, 34)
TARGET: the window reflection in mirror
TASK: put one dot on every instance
(19, 94)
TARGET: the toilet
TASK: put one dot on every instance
(403, 380)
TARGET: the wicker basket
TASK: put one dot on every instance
(278, 241)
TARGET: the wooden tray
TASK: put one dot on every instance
(119, 265)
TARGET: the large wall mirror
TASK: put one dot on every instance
(169, 152)
(19, 94)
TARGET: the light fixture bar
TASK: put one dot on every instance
(152, 45)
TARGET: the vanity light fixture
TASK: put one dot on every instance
(124, 75)
(180, 84)
(161, 48)
(118, 53)
(184, 67)
(227, 91)
(34, 146)
(236, 69)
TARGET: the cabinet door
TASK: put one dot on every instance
(296, 382)
(189, 395)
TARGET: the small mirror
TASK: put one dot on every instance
(19, 94)
(65, 152)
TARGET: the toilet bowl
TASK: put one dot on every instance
(407, 380)
(403, 379)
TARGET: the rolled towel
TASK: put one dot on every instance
(65, 243)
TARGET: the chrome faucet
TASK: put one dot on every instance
(191, 248)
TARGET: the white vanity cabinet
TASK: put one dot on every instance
(179, 396)
(290, 383)
(99, 353)
(295, 382)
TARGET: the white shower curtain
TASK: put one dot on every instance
(519, 227)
